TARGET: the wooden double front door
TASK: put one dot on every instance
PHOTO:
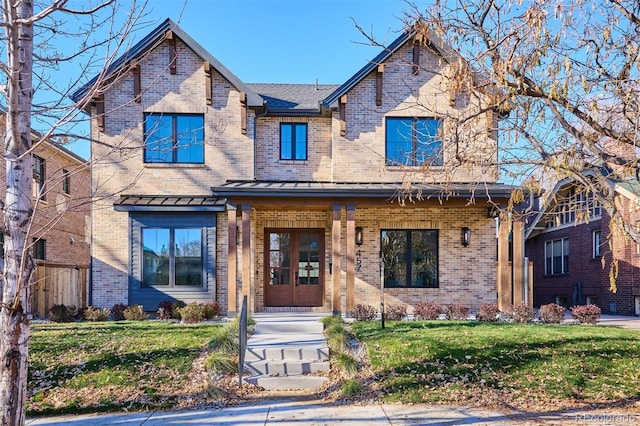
(294, 260)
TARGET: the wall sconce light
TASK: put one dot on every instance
(359, 235)
(465, 236)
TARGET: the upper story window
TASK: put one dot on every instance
(173, 138)
(575, 206)
(39, 176)
(66, 181)
(556, 255)
(413, 141)
(293, 141)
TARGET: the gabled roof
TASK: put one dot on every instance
(407, 35)
(293, 98)
(150, 41)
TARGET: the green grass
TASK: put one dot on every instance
(106, 366)
(518, 364)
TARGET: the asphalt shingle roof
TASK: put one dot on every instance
(293, 97)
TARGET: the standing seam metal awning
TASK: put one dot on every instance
(182, 203)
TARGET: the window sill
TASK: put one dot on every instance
(174, 165)
(412, 288)
(302, 162)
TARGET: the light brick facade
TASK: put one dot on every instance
(466, 275)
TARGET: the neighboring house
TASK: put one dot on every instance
(571, 247)
(208, 188)
(60, 230)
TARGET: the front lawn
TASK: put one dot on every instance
(107, 366)
(522, 366)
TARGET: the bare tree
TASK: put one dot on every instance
(32, 42)
(562, 79)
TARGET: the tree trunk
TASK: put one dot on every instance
(18, 265)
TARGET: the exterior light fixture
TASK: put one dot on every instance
(465, 236)
(359, 235)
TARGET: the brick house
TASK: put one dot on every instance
(208, 188)
(60, 225)
(571, 247)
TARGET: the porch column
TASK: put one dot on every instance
(336, 300)
(517, 231)
(504, 268)
(232, 265)
(351, 257)
(247, 289)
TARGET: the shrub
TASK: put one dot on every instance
(586, 314)
(523, 313)
(192, 313)
(488, 312)
(165, 310)
(212, 310)
(456, 311)
(62, 313)
(135, 313)
(96, 314)
(221, 363)
(395, 312)
(345, 362)
(117, 311)
(363, 312)
(427, 311)
(175, 308)
(225, 339)
(351, 387)
(552, 313)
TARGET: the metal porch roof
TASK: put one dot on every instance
(169, 203)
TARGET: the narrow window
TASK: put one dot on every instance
(39, 175)
(410, 258)
(66, 181)
(174, 138)
(413, 141)
(39, 248)
(596, 243)
(293, 141)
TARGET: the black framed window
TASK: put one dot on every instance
(173, 138)
(413, 141)
(66, 181)
(39, 175)
(39, 248)
(293, 141)
(410, 258)
(556, 255)
(172, 256)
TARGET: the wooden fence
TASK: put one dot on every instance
(58, 284)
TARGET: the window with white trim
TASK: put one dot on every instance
(556, 255)
(595, 238)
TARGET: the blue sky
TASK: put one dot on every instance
(282, 41)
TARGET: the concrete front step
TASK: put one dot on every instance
(288, 383)
(284, 349)
(288, 352)
(286, 367)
